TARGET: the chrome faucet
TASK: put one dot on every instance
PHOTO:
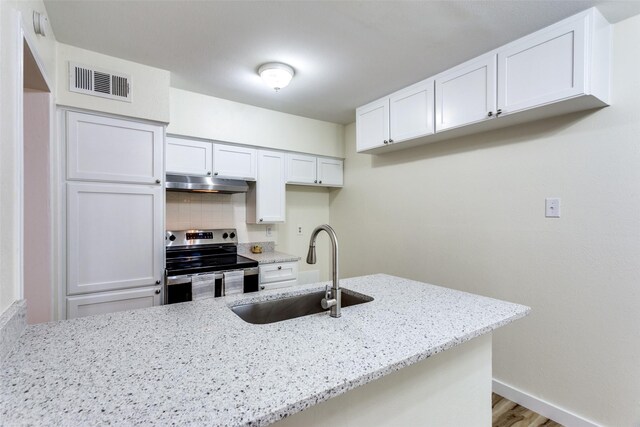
(332, 296)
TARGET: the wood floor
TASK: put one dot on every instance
(509, 414)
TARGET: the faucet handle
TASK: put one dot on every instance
(327, 291)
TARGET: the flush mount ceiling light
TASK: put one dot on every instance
(276, 74)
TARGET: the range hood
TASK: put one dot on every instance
(204, 184)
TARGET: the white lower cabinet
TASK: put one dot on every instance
(278, 275)
(266, 198)
(109, 302)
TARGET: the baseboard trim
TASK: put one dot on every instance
(540, 406)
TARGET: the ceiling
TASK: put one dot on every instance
(345, 53)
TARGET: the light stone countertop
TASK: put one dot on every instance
(271, 257)
(198, 363)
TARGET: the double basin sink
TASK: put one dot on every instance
(263, 312)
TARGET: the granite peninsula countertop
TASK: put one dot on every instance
(198, 363)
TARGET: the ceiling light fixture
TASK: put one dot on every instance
(276, 74)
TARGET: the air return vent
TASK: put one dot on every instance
(93, 81)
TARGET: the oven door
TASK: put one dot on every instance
(250, 283)
(178, 289)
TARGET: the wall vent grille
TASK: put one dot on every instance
(96, 82)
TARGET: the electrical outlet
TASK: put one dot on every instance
(299, 228)
(552, 207)
(269, 230)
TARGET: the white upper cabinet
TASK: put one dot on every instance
(301, 169)
(233, 162)
(101, 148)
(560, 69)
(100, 217)
(466, 94)
(330, 172)
(189, 157)
(372, 125)
(411, 112)
(560, 62)
(266, 198)
(311, 170)
(404, 115)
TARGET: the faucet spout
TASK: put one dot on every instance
(333, 298)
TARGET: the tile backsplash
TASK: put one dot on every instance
(199, 210)
(208, 210)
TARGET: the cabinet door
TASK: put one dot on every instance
(234, 162)
(466, 94)
(372, 125)
(278, 272)
(115, 150)
(266, 200)
(301, 169)
(110, 302)
(114, 237)
(189, 157)
(411, 112)
(545, 67)
(330, 172)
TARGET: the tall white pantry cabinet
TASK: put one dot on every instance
(114, 202)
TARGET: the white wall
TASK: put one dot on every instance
(149, 86)
(203, 116)
(469, 214)
(10, 134)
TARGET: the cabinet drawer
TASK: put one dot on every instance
(110, 302)
(278, 285)
(280, 272)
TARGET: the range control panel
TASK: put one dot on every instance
(200, 237)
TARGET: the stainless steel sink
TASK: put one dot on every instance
(278, 310)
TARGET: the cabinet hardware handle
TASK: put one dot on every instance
(260, 219)
(209, 173)
(262, 288)
(386, 142)
(390, 140)
(490, 114)
(320, 182)
(157, 282)
(215, 173)
(279, 267)
(499, 112)
(157, 181)
(158, 291)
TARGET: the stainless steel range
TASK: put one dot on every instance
(202, 263)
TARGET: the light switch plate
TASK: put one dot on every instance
(268, 230)
(552, 207)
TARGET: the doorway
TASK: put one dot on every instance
(37, 215)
